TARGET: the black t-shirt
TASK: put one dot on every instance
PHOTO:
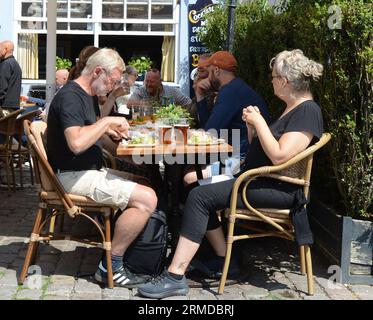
(96, 106)
(306, 117)
(71, 106)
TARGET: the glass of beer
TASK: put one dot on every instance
(181, 131)
(164, 131)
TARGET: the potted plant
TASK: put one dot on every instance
(142, 64)
(63, 63)
(341, 205)
(173, 113)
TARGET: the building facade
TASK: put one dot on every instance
(154, 28)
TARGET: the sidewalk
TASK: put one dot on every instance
(66, 266)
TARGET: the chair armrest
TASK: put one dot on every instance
(273, 171)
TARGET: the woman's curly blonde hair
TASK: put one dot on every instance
(296, 68)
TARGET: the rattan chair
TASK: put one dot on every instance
(7, 128)
(53, 196)
(297, 171)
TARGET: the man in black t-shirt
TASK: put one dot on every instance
(75, 155)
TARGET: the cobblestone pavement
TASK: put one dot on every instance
(66, 266)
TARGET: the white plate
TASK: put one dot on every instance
(140, 145)
(214, 142)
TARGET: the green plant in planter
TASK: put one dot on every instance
(142, 64)
(173, 113)
(62, 63)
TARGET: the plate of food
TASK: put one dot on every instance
(203, 138)
(140, 142)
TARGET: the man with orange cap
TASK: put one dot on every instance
(233, 96)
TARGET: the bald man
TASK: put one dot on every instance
(10, 77)
(61, 78)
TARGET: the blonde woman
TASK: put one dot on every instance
(299, 126)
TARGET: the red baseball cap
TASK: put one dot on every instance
(221, 59)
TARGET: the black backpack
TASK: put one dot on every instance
(147, 254)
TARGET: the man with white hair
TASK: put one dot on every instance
(75, 154)
(10, 78)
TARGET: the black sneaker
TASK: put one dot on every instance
(121, 277)
(213, 268)
(164, 286)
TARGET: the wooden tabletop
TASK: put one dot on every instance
(168, 149)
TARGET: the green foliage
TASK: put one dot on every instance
(345, 91)
(173, 113)
(63, 63)
(142, 64)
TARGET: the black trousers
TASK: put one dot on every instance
(203, 202)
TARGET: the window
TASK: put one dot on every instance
(104, 19)
(125, 16)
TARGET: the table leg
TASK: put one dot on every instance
(174, 178)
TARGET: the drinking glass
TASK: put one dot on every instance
(135, 112)
(181, 131)
(164, 131)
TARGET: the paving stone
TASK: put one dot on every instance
(230, 296)
(86, 296)
(200, 294)
(83, 287)
(116, 294)
(27, 294)
(9, 279)
(63, 245)
(12, 239)
(62, 279)
(300, 283)
(6, 293)
(285, 294)
(59, 289)
(55, 297)
(362, 289)
(335, 291)
(365, 297)
(316, 297)
(253, 292)
(2, 271)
